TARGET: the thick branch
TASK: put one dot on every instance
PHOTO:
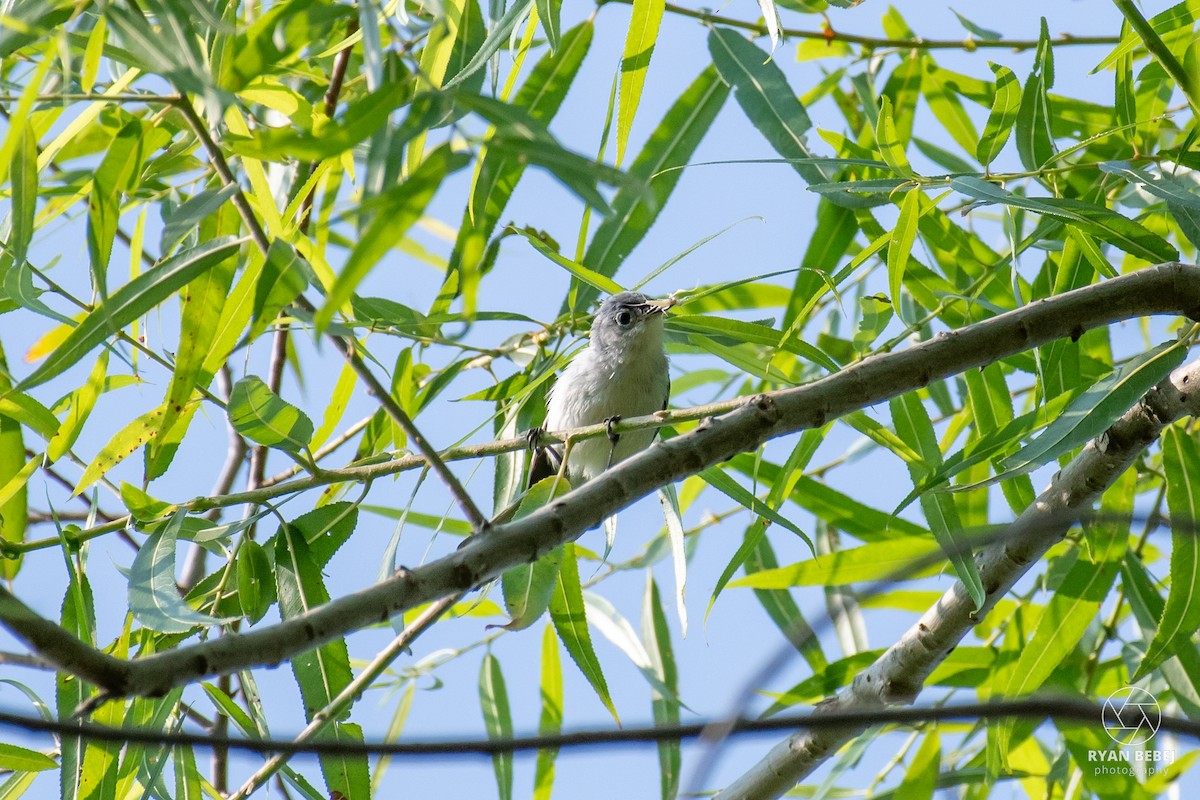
(1166, 289)
(899, 674)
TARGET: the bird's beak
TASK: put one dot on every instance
(659, 306)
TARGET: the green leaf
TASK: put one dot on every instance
(143, 507)
(14, 478)
(943, 157)
(529, 587)
(117, 171)
(185, 218)
(983, 33)
(635, 60)
(551, 717)
(670, 145)
(24, 409)
(769, 102)
(578, 271)
(130, 302)
(719, 480)
(1184, 76)
(1096, 409)
(1182, 673)
(187, 775)
(1166, 186)
(20, 759)
(339, 399)
(397, 210)
(169, 48)
(712, 327)
(23, 172)
(324, 671)
(570, 620)
(326, 529)
(665, 705)
(78, 618)
(97, 776)
(877, 432)
(255, 580)
(577, 173)
(550, 15)
(1035, 142)
(496, 38)
(1181, 614)
(938, 86)
(849, 515)
(283, 278)
(1003, 114)
(266, 418)
(497, 721)
(988, 446)
(921, 777)
(153, 596)
(900, 245)
(81, 402)
(1099, 221)
(914, 427)
(887, 139)
(892, 559)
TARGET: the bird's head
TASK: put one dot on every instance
(629, 324)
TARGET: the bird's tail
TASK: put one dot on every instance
(544, 464)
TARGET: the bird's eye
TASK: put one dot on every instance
(624, 318)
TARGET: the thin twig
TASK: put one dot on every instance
(336, 78)
(1058, 708)
(330, 446)
(968, 44)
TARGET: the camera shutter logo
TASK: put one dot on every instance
(1131, 716)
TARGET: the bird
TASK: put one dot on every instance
(623, 372)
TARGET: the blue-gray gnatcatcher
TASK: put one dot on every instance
(621, 373)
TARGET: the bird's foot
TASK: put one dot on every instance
(613, 436)
(534, 437)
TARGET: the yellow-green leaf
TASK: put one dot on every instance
(635, 60)
(125, 443)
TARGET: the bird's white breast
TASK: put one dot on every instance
(634, 387)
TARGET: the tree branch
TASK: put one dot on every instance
(899, 674)
(1166, 289)
(829, 35)
(1069, 709)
